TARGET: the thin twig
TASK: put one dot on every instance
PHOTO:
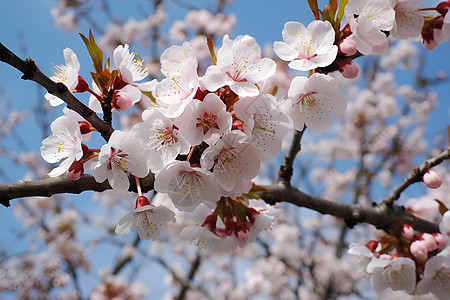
(52, 186)
(286, 169)
(31, 72)
(416, 175)
(382, 216)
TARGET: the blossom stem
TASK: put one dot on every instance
(138, 186)
(190, 153)
(427, 8)
(99, 98)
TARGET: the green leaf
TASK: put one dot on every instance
(240, 209)
(314, 8)
(97, 82)
(210, 44)
(104, 77)
(340, 14)
(94, 51)
(114, 74)
(328, 14)
(107, 64)
(442, 207)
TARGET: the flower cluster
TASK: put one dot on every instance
(414, 262)
(205, 136)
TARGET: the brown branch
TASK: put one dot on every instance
(382, 216)
(286, 169)
(31, 72)
(52, 186)
(416, 175)
(186, 284)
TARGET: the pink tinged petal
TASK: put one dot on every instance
(119, 53)
(397, 273)
(244, 89)
(261, 70)
(408, 20)
(285, 51)
(126, 224)
(264, 123)
(201, 237)
(233, 158)
(436, 277)
(62, 168)
(134, 93)
(146, 225)
(297, 87)
(127, 75)
(302, 64)
(214, 79)
(118, 180)
(53, 100)
(100, 173)
(174, 58)
(71, 59)
(147, 86)
(292, 31)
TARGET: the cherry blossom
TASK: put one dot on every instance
(312, 100)
(201, 119)
(264, 123)
(262, 217)
(432, 179)
(239, 67)
(161, 139)
(231, 158)
(66, 74)
(398, 273)
(408, 19)
(187, 186)
(175, 58)
(307, 48)
(444, 226)
(436, 277)
(363, 253)
(174, 93)
(121, 154)
(64, 144)
(130, 68)
(368, 19)
(148, 219)
(201, 237)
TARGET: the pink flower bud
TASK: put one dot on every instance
(429, 241)
(440, 240)
(76, 170)
(347, 47)
(419, 250)
(121, 100)
(349, 69)
(85, 127)
(432, 179)
(407, 231)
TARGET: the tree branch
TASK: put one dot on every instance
(286, 169)
(381, 216)
(31, 72)
(58, 185)
(416, 175)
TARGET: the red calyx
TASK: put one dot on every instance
(141, 201)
